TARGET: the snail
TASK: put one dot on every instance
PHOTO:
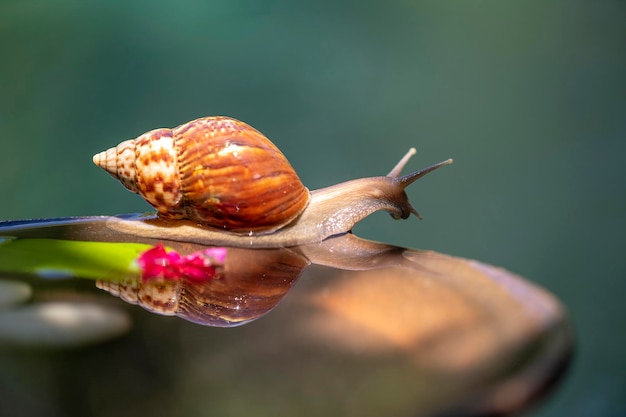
(217, 180)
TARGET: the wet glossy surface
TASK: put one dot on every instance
(345, 327)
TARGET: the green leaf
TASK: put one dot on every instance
(54, 258)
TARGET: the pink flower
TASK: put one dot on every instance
(198, 266)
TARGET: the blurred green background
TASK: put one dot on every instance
(528, 97)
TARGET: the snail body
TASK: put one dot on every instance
(217, 180)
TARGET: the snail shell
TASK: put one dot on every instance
(217, 171)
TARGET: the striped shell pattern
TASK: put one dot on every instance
(217, 171)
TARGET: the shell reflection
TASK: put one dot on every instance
(249, 285)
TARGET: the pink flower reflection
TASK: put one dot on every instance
(198, 266)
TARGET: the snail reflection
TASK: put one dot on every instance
(248, 283)
(246, 286)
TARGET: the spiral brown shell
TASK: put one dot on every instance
(217, 171)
